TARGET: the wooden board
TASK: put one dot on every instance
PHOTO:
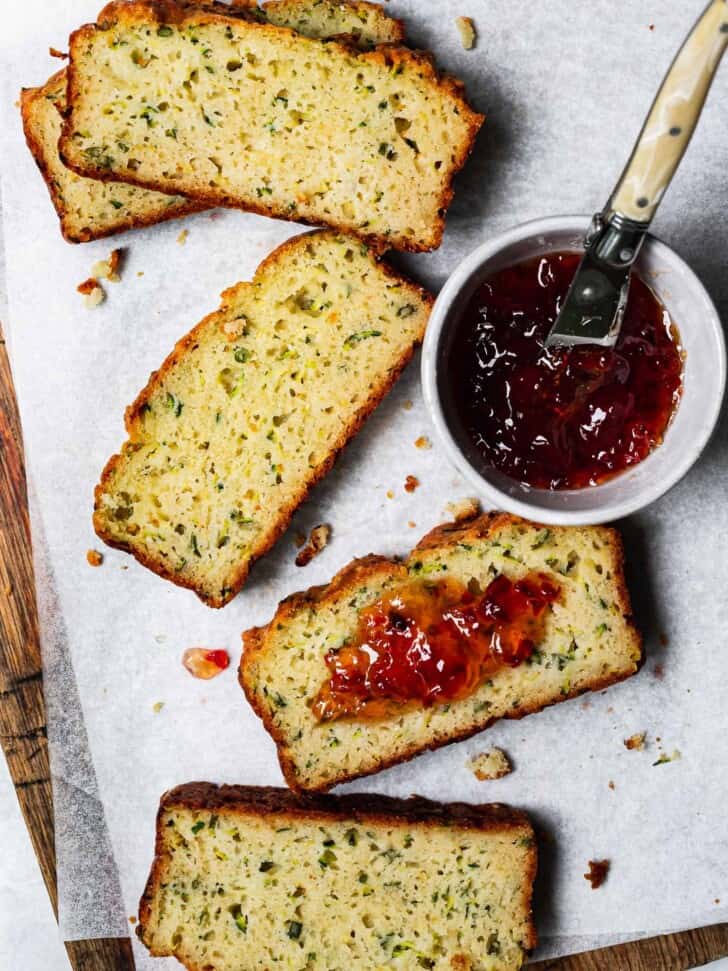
(24, 738)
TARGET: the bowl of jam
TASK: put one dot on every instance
(581, 434)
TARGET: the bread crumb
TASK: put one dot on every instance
(299, 539)
(423, 442)
(140, 272)
(317, 540)
(54, 52)
(411, 483)
(182, 238)
(92, 291)
(108, 269)
(612, 785)
(598, 870)
(636, 741)
(664, 757)
(94, 558)
(233, 329)
(157, 707)
(132, 919)
(659, 671)
(463, 509)
(411, 524)
(390, 494)
(493, 764)
(407, 405)
(466, 29)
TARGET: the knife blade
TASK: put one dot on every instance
(594, 306)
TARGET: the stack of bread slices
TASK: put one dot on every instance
(309, 110)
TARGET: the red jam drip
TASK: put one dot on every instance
(561, 418)
(204, 663)
(432, 643)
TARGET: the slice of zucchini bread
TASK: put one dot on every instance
(251, 408)
(89, 208)
(585, 640)
(366, 23)
(250, 115)
(247, 877)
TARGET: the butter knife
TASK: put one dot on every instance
(594, 307)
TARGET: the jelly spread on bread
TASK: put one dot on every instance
(559, 418)
(434, 642)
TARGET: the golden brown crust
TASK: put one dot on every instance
(361, 807)
(132, 420)
(352, 576)
(391, 56)
(28, 99)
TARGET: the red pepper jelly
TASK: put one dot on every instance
(558, 418)
(434, 642)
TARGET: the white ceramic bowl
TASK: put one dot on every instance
(704, 378)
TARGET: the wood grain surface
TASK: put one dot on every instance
(24, 739)
(22, 708)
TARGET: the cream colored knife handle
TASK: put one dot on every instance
(672, 118)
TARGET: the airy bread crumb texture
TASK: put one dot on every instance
(246, 878)
(493, 764)
(252, 407)
(247, 114)
(89, 208)
(92, 292)
(108, 269)
(466, 29)
(317, 541)
(365, 23)
(463, 509)
(636, 741)
(589, 643)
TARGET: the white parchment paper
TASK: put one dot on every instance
(565, 86)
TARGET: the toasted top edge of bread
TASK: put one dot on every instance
(360, 805)
(246, 877)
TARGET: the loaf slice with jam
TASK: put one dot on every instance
(230, 111)
(91, 209)
(252, 407)
(578, 636)
(247, 877)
